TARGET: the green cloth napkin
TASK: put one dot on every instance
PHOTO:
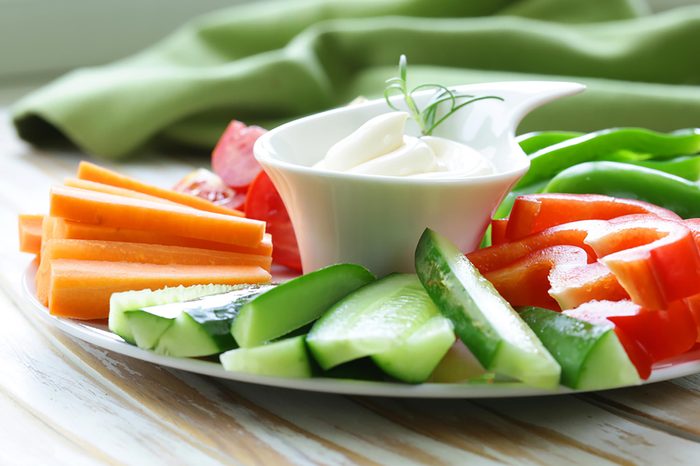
(271, 62)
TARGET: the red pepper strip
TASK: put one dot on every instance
(498, 231)
(533, 213)
(570, 234)
(528, 282)
(573, 285)
(597, 312)
(663, 334)
(693, 304)
(655, 260)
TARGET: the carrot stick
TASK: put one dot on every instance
(81, 289)
(108, 189)
(66, 229)
(113, 251)
(92, 172)
(122, 212)
(30, 233)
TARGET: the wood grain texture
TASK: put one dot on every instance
(63, 401)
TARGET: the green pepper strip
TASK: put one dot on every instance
(538, 140)
(630, 181)
(624, 144)
(687, 167)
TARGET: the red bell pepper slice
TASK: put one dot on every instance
(499, 256)
(597, 312)
(557, 277)
(533, 213)
(498, 231)
(655, 260)
(662, 334)
(693, 304)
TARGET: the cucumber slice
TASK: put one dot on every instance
(193, 328)
(296, 303)
(130, 300)
(483, 320)
(590, 355)
(283, 358)
(414, 359)
(459, 365)
(392, 320)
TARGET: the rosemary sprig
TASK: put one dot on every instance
(427, 117)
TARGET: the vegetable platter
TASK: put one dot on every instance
(587, 276)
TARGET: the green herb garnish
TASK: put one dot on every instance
(427, 117)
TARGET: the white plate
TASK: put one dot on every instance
(98, 334)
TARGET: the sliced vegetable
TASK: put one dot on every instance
(662, 334)
(569, 234)
(532, 142)
(484, 321)
(233, 158)
(656, 261)
(130, 300)
(630, 181)
(91, 172)
(536, 212)
(193, 328)
(590, 355)
(81, 289)
(498, 231)
(109, 189)
(556, 277)
(207, 185)
(296, 303)
(30, 227)
(116, 211)
(113, 251)
(391, 320)
(264, 203)
(283, 358)
(66, 229)
(619, 144)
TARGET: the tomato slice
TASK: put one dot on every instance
(533, 213)
(662, 334)
(264, 203)
(655, 260)
(232, 158)
(209, 186)
(557, 277)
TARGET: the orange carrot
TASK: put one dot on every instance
(81, 289)
(30, 233)
(113, 251)
(92, 172)
(108, 189)
(122, 212)
(62, 228)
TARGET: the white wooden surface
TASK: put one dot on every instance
(65, 402)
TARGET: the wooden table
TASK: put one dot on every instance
(63, 401)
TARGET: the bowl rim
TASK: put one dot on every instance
(263, 149)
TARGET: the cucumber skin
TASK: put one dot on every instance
(282, 358)
(134, 300)
(569, 340)
(436, 274)
(289, 297)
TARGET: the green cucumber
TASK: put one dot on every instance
(459, 365)
(283, 358)
(130, 300)
(296, 303)
(392, 320)
(193, 328)
(482, 319)
(590, 355)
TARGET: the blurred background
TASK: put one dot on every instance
(42, 39)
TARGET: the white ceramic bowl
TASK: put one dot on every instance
(376, 221)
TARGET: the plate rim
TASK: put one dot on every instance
(97, 334)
